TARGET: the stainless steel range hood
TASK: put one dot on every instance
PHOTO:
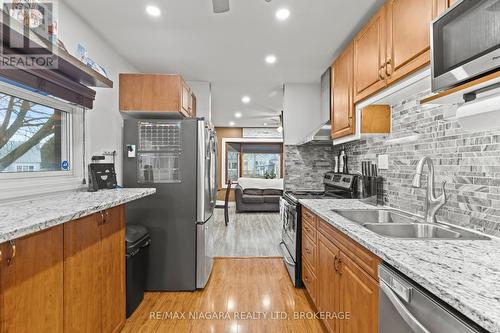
(322, 134)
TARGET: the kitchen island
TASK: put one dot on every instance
(465, 274)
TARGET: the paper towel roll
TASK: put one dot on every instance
(479, 115)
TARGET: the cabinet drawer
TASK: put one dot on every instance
(309, 251)
(309, 230)
(361, 256)
(309, 280)
(309, 216)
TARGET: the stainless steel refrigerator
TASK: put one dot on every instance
(178, 158)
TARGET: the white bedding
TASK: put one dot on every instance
(263, 184)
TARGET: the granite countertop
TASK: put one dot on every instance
(27, 216)
(464, 274)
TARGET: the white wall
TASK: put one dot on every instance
(202, 90)
(104, 122)
(301, 111)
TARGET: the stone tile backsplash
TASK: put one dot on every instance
(305, 166)
(469, 163)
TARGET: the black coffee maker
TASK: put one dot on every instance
(101, 175)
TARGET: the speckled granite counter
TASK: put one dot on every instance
(464, 274)
(23, 217)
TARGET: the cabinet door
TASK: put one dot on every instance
(186, 97)
(328, 280)
(82, 275)
(408, 36)
(369, 57)
(32, 283)
(343, 105)
(113, 270)
(359, 297)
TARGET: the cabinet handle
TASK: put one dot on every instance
(340, 266)
(335, 264)
(308, 250)
(307, 229)
(103, 219)
(12, 244)
(389, 66)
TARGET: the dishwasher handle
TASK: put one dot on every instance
(409, 319)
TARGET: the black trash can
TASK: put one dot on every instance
(137, 241)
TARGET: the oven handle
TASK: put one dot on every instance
(407, 316)
(291, 263)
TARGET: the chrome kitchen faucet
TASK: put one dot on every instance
(432, 204)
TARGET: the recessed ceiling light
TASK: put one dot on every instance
(237, 114)
(271, 59)
(245, 99)
(282, 14)
(153, 11)
(232, 123)
(265, 124)
(280, 129)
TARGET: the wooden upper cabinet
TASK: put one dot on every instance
(359, 297)
(193, 105)
(162, 93)
(369, 57)
(31, 290)
(408, 36)
(343, 113)
(328, 280)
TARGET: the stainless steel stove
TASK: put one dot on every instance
(335, 186)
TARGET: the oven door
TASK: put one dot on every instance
(287, 246)
(465, 42)
(289, 229)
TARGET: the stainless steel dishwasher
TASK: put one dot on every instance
(406, 308)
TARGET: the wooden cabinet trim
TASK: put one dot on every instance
(310, 281)
(309, 250)
(310, 230)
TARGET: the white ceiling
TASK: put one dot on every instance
(229, 49)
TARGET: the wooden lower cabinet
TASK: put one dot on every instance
(346, 282)
(31, 295)
(358, 297)
(328, 280)
(113, 270)
(94, 272)
(69, 278)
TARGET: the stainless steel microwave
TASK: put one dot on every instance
(465, 43)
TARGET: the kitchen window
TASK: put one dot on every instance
(33, 137)
(41, 142)
(254, 160)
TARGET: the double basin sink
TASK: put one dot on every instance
(397, 224)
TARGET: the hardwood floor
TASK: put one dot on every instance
(251, 287)
(247, 234)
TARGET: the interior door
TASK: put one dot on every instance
(408, 36)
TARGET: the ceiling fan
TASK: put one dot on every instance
(222, 6)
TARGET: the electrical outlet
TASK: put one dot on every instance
(383, 162)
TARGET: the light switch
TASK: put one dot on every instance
(383, 162)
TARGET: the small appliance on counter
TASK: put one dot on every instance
(336, 186)
(101, 175)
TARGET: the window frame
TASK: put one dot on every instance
(28, 183)
(226, 141)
